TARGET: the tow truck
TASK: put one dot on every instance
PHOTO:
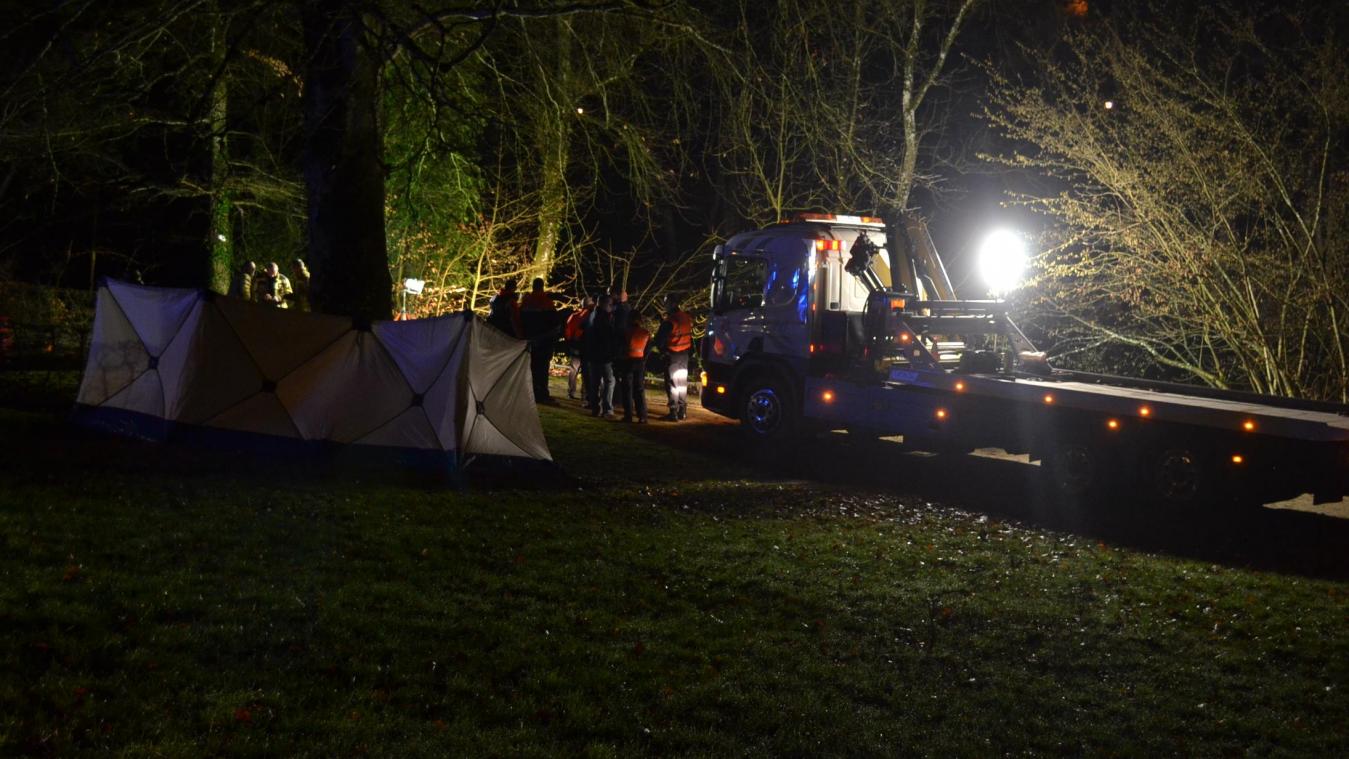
(830, 321)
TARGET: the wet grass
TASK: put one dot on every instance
(665, 601)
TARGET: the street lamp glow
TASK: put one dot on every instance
(1002, 260)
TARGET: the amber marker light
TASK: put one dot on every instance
(1113, 424)
(941, 413)
(1237, 458)
(904, 337)
(1248, 425)
(828, 396)
(960, 386)
(1049, 398)
(702, 378)
(721, 389)
(1144, 411)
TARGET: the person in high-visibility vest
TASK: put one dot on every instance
(272, 287)
(675, 339)
(631, 369)
(572, 333)
(299, 284)
(539, 319)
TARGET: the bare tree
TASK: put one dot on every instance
(1204, 190)
(822, 106)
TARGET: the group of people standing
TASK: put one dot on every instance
(607, 343)
(271, 287)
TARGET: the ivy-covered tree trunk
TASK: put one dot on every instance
(219, 237)
(343, 168)
(552, 194)
(554, 146)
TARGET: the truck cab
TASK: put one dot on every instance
(790, 301)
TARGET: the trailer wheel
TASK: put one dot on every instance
(1071, 470)
(1177, 474)
(767, 412)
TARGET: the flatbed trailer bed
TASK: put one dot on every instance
(1253, 451)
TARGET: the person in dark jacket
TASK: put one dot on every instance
(622, 309)
(597, 351)
(241, 286)
(504, 311)
(538, 317)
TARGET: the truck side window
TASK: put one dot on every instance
(784, 284)
(740, 284)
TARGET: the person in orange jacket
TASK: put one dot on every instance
(631, 368)
(675, 339)
(572, 334)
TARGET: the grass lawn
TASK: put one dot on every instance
(670, 599)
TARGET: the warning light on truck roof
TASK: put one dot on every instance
(1248, 425)
(827, 245)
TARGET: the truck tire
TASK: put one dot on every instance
(768, 412)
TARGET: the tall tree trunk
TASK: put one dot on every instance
(220, 236)
(916, 84)
(554, 145)
(552, 196)
(343, 166)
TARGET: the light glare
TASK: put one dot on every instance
(1002, 261)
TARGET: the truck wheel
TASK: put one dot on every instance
(767, 411)
(1177, 474)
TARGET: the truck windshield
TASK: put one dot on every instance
(739, 283)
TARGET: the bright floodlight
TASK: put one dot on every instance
(1002, 259)
(414, 286)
